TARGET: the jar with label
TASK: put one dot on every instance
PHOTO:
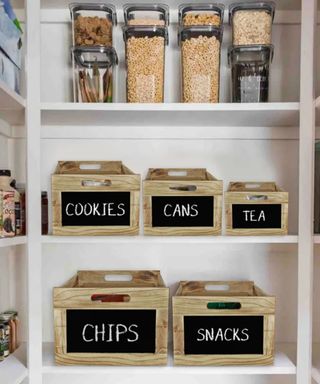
(201, 14)
(251, 22)
(13, 320)
(250, 73)
(4, 338)
(92, 23)
(93, 74)
(200, 59)
(145, 36)
(9, 197)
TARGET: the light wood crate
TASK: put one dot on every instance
(192, 299)
(146, 290)
(256, 193)
(113, 177)
(182, 182)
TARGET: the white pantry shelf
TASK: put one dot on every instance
(290, 239)
(12, 370)
(12, 241)
(12, 105)
(169, 114)
(281, 366)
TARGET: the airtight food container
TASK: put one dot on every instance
(250, 68)
(146, 14)
(251, 22)
(92, 23)
(201, 14)
(145, 62)
(93, 71)
(200, 60)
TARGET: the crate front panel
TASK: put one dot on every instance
(204, 189)
(153, 299)
(240, 198)
(72, 183)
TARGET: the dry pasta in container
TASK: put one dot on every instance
(201, 14)
(93, 74)
(250, 68)
(92, 23)
(251, 22)
(200, 59)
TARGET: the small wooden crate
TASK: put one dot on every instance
(134, 314)
(77, 188)
(256, 208)
(182, 202)
(206, 316)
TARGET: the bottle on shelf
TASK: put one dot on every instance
(9, 197)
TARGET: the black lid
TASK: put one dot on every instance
(210, 7)
(5, 172)
(162, 9)
(245, 50)
(269, 6)
(200, 30)
(99, 55)
(141, 31)
(108, 8)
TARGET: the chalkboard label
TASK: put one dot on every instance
(95, 208)
(182, 211)
(223, 335)
(111, 331)
(249, 216)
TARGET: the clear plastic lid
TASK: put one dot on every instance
(202, 9)
(107, 9)
(98, 56)
(268, 6)
(141, 31)
(146, 14)
(250, 54)
(195, 31)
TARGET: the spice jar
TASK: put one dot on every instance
(4, 338)
(200, 59)
(251, 22)
(44, 213)
(201, 14)
(93, 74)
(146, 14)
(92, 23)
(250, 73)
(13, 320)
(9, 197)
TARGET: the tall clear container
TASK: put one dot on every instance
(201, 14)
(93, 74)
(92, 23)
(200, 60)
(250, 67)
(251, 22)
(146, 14)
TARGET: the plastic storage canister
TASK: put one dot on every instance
(201, 14)
(146, 14)
(251, 22)
(250, 73)
(93, 74)
(92, 23)
(200, 59)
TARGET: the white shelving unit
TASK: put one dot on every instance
(272, 141)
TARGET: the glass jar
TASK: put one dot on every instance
(145, 62)
(4, 338)
(251, 22)
(250, 73)
(13, 320)
(201, 14)
(92, 23)
(200, 60)
(146, 14)
(93, 74)
(9, 198)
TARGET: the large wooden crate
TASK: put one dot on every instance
(256, 208)
(182, 202)
(207, 315)
(82, 185)
(134, 313)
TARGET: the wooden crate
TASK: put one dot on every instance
(135, 310)
(206, 316)
(182, 202)
(256, 208)
(80, 185)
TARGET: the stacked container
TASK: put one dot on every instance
(146, 35)
(251, 54)
(200, 37)
(93, 56)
